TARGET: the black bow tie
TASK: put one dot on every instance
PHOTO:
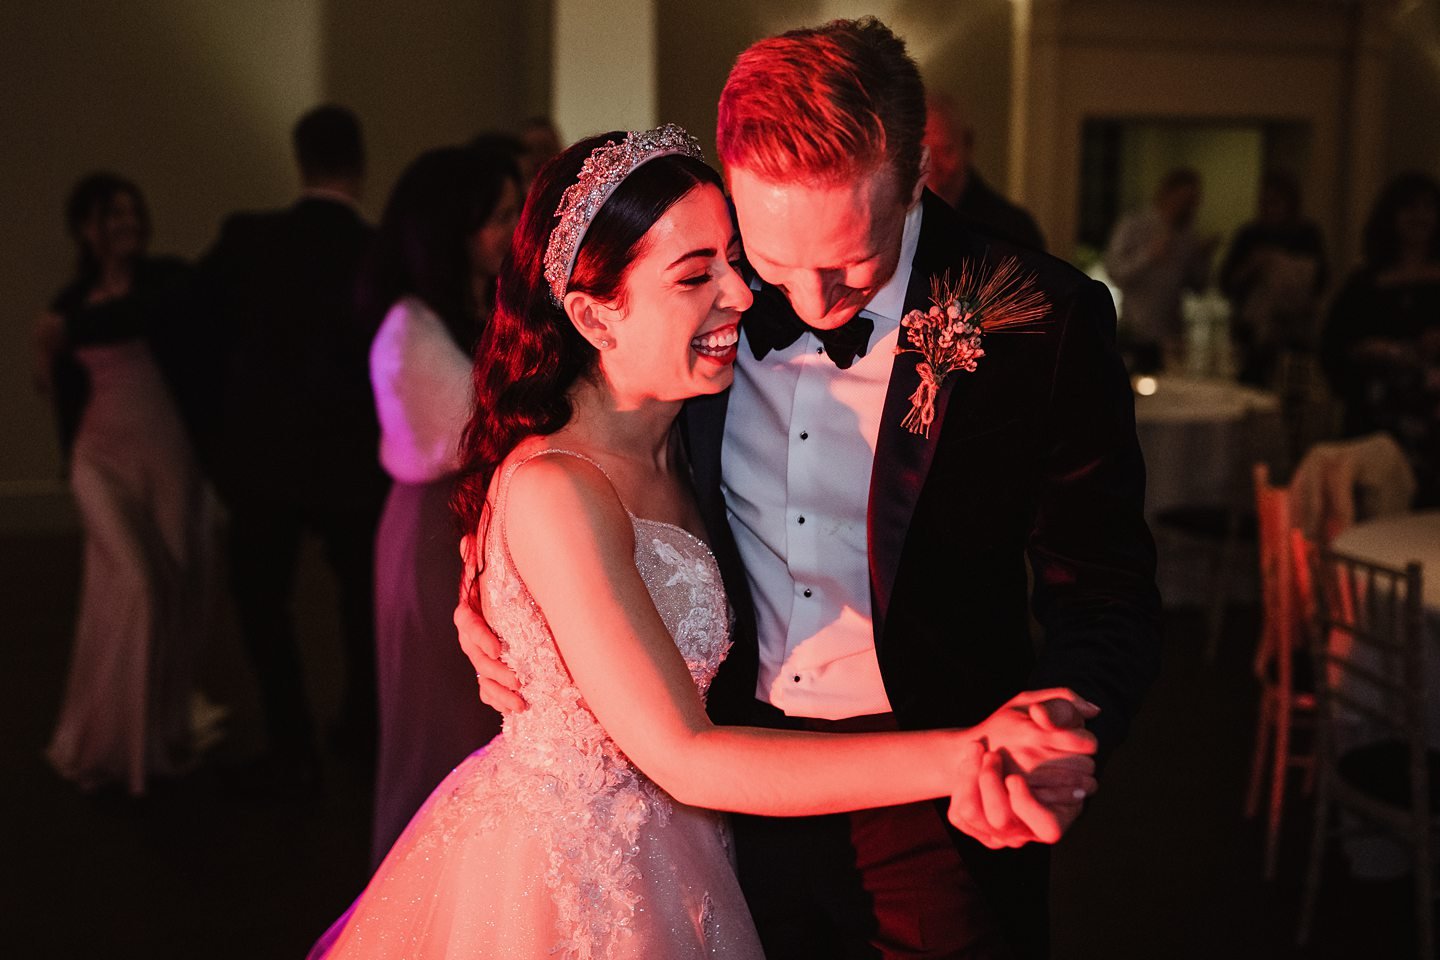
(775, 327)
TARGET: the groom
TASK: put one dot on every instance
(879, 575)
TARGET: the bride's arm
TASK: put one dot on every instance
(573, 545)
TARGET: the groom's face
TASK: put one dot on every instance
(830, 247)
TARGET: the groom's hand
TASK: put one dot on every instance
(1037, 726)
(499, 687)
(1031, 769)
(498, 683)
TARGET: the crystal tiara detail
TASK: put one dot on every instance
(603, 171)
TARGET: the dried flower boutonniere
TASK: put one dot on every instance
(950, 334)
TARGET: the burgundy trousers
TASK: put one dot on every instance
(883, 883)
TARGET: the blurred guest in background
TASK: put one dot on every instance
(1153, 257)
(498, 141)
(442, 239)
(295, 432)
(126, 713)
(1381, 342)
(955, 180)
(542, 141)
(1272, 276)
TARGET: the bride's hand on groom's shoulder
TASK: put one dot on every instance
(1028, 771)
(499, 687)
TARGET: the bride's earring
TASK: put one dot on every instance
(603, 343)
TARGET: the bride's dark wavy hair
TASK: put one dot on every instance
(530, 354)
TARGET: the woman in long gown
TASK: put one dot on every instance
(126, 715)
(587, 828)
(443, 237)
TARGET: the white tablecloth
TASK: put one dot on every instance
(1394, 542)
(1198, 436)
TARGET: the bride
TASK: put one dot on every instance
(587, 829)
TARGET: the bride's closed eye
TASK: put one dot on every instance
(736, 261)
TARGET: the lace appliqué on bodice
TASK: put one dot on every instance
(556, 761)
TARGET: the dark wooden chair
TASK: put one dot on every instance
(1367, 648)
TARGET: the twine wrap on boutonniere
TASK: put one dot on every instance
(950, 335)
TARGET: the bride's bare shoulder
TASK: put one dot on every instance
(556, 497)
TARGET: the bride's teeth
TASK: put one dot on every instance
(717, 341)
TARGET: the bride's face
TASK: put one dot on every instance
(675, 329)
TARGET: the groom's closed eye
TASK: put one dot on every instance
(702, 255)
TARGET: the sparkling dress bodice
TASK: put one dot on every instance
(624, 870)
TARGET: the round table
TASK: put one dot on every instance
(1191, 431)
(1200, 438)
(1395, 541)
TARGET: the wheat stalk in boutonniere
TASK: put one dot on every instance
(950, 335)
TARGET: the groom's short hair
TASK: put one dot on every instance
(824, 104)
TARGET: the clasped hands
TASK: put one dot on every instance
(1024, 777)
(1033, 768)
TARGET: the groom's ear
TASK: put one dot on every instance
(919, 188)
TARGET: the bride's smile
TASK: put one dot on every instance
(718, 345)
(673, 330)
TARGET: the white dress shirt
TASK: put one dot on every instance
(423, 393)
(798, 452)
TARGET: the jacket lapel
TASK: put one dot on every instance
(902, 459)
(704, 429)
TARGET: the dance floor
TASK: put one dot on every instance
(1162, 865)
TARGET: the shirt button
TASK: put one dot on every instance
(818, 350)
(797, 678)
(801, 520)
(804, 435)
(807, 591)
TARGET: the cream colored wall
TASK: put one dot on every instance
(1365, 77)
(191, 101)
(594, 89)
(1216, 61)
(428, 72)
(194, 100)
(962, 46)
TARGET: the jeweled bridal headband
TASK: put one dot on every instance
(602, 172)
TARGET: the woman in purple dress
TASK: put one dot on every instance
(430, 285)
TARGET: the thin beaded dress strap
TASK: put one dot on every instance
(504, 496)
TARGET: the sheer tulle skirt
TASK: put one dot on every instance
(463, 881)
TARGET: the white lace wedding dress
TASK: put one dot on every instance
(549, 842)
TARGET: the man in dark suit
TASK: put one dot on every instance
(879, 574)
(953, 177)
(295, 434)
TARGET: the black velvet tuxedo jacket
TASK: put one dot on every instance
(1034, 454)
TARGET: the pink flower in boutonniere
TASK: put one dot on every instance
(950, 335)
